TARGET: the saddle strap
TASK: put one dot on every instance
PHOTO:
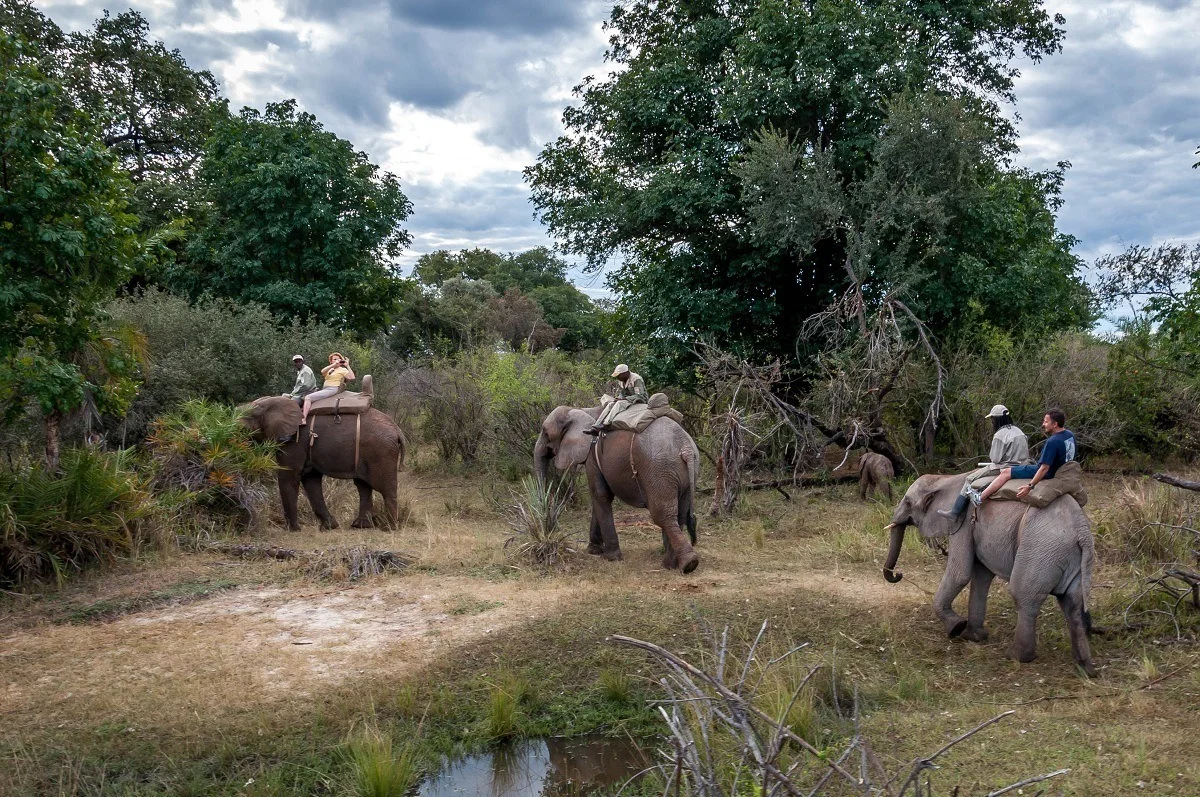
(357, 434)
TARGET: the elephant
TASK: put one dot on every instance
(1040, 552)
(381, 448)
(654, 469)
(875, 471)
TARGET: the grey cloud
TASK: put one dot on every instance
(523, 16)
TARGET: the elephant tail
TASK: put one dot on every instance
(1087, 544)
(691, 459)
(403, 442)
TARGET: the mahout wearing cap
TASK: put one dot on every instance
(998, 411)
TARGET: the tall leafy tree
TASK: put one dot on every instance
(296, 220)
(647, 166)
(66, 243)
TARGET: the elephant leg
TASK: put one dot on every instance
(864, 483)
(391, 505)
(316, 497)
(887, 489)
(1072, 608)
(679, 551)
(1024, 645)
(289, 495)
(595, 538)
(602, 518)
(959, 569)
(981, 583)
(365, 519)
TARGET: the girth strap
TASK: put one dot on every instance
(357, 434)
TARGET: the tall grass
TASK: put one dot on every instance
(1149, 523)
(377, 768)
(53, 524)
(538, 537)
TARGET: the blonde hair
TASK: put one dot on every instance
(336, 354)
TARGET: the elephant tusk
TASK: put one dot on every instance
(889, 526)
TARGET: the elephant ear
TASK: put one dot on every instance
(574, 445)
(280, 417)
(942, 497)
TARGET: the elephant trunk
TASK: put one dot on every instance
(893, 556)
(541, 458)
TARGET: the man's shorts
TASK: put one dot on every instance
(1024, 471)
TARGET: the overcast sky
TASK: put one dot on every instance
(457, 96)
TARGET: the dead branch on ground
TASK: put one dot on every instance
(720, 739)
(353, 563)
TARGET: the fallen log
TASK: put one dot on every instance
(803, 480)
(354, 563)
(1175, 481)
(240, 550)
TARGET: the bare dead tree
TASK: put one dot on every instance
(1176, 585)
(720, 739)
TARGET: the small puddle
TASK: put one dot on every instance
(541, 768)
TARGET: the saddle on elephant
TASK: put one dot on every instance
(639, 416)
(346, 402)
(1068, 480)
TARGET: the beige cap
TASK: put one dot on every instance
(297, 357)
(998, 411)
(620, 369)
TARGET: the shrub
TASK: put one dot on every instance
(204, 459)
(52, 524)
(539, 538)
(218, 351)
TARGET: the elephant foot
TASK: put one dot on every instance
(689, 562)
(1017, 654)
(669, 562)
(1088, 668)
(329, 525)
(957, 629)
(975, 634)
(292, 526)
(595, 548)
(362, 523)
(613, 555)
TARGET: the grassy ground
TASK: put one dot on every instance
(193, 673)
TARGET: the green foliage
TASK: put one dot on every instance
(218, 351)
(484, 402)
(648, 164)
(297, 221)
(205, 460)
(477, 295)
(55, 524)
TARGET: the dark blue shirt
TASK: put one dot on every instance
(1059, 448)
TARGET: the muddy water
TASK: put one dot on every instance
(541, 768)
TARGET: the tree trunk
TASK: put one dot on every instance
(52, 423)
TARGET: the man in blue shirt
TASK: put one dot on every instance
(1059, 449)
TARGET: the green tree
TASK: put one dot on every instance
(66, 243)
(647, 167)
(298, 221)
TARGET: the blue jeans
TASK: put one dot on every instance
(1024, 471)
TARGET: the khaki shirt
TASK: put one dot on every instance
(633, 389)
(1009, 447)
(306, 383)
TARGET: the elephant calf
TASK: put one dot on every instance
(875, 472)
(1040, 551)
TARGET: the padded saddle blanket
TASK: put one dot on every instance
(639, 416)
(1067, 481)
(344, 403)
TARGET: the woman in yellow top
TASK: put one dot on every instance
(336, 374)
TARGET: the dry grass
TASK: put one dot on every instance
(281, 668)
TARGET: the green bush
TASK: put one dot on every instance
(54, 524)
(204, 460)
(218, 351)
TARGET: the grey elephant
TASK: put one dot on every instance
(1040, 552)
(875, 472)
(379, 454)
(654, 469)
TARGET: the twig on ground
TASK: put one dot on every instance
(1027, 782)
